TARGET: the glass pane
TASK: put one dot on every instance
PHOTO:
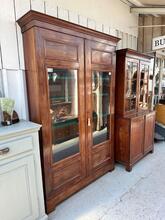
(142, 71)
(143, 94)
(101, 106)
(131, 86)
(63, 94)
(130, 104)
(146, 72)
(143, 102)
(131, 70)
(134, 73)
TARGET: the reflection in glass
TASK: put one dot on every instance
(131, 86)
(143, 102)
(101, 106)
(131, 70)
(63, 94)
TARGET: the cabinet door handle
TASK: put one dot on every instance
(4, 151)
(89, 122)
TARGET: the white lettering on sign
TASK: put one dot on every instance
(158, 43)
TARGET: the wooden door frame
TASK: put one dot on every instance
(89, 67)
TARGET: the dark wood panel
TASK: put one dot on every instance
(149, 132)
(100, 155)
(60, 51)
(122, 140)
(137, 138)
(101, 57)
(68, 175)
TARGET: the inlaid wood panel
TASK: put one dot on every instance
(101, 57)
(122, 142)
(137, 138)
(149, 131)
(60, 51)
(69, 173)
(101, 155)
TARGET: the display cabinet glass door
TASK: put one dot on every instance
(143, 88)
(99, 81)
(63, 95)
(131, 86)
(100, 106)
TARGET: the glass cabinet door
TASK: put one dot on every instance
(143, 88)
(100, 106)
(63, 95)
(131, 86)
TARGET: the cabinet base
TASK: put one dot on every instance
(128, 167)
(51, 203)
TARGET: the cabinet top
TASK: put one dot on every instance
(37, 19)
(19, 128)
(132, 53)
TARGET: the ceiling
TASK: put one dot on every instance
(154, 7)
(152, 2)
(145, 3)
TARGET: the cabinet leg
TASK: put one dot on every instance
(128, 168)
(152, 151)
(112, 169)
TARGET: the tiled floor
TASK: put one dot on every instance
(120, 195)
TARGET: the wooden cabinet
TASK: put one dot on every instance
(134, 118)
(20, 173)
(70, 72)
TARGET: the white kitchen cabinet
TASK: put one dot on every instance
(21, 192)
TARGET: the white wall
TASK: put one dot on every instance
(108, 16)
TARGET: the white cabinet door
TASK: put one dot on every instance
(18, 198)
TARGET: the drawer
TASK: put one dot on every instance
(12, 148)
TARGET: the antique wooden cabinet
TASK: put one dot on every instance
(70, 73)
(134, 121)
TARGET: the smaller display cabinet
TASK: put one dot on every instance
(135, 121)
